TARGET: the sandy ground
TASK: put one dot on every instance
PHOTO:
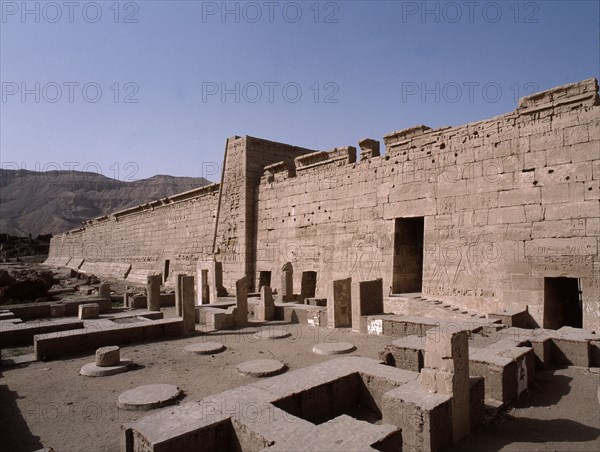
(49, 404)
(560, 412)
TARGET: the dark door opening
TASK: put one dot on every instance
(308, 284)
(166, 270)
(408, 255)
(264, 279)
(562, 303)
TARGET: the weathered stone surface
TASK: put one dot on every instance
(153, 292)
(178, 427)
(108, 356)
(446, 372)
(405, 353)
(188, 305)
(17, 333)
(148, 397)
(241, 301)
(316, 301)
(525, 184)
(261, 368)
(58, 310)
(54, 345)
(339, 309)
(178, 294)
(205, 348)
(272, 333)
(88, 311)
(368, 148)
(333, 348)
(104, 290)
(266, 308)
(369, 301)
(287, 282)
(93, 370)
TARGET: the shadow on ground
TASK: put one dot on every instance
(16, 435)
(528, 425)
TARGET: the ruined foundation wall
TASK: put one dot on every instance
(179, 228)
(506, 202)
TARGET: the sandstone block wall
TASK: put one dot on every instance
(178, 229)
(504, 202)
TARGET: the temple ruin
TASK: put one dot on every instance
(456, 266)
(500, 214)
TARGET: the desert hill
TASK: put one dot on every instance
(56, 201)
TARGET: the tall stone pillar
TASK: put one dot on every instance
(204, 288)
(368, 301)
(104, 290)
(178, 294)
(287, 282)
(188, 306)
(266, 308)
(126, 299)
(339, 303)
(446, 372)
(153, 292)
(241, 301)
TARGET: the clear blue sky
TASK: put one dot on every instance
(364, 69)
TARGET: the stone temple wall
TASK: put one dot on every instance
(178, 229)
(504, 202)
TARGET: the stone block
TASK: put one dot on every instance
(178, 294)
(500, 374)
(369, 148)
(55, 345)
(153, 292)
(425, 418)
(266, 308)
(138, 302)
(595, 353)
(241, 302)
(339, 310)
(571, 347)
(287, 283)
(316, 301)
(542, 349)
(108, 356)
(405, 353)
(476, 401)
(22, 334)
(58, 310)
(446, 371)
(104, 290)
(368, 302)
(513, 318)
(188, 309)
(89, 311)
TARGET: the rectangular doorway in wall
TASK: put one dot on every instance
(308, 284)
(563, 305)
(264, 279)
(166, 269)
(407, 274)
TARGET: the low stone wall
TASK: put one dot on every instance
(22, 334)
(55, 345)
